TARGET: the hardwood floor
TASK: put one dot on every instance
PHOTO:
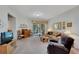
(33, 45)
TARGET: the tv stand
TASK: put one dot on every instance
(8, 48)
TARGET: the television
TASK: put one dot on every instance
(6, 37)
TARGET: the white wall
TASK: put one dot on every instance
(71, 15)
(3, 19)
(24, 21)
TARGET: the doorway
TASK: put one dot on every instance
(12, 25)
(38, 29)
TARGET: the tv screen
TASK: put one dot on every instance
(6, 37)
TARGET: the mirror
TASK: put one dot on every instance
(58, 26)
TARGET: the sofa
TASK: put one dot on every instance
(67, 43)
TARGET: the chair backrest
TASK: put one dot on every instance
(69, 43)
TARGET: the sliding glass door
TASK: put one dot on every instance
(38, 29)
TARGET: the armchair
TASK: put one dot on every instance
(56, 49)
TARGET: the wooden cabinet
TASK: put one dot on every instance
(26, 33)
(8, 48)
(23, 33)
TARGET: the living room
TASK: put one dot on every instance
(34, 28)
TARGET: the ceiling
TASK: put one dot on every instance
(41, 11)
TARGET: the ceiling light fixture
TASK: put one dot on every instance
(37, 14)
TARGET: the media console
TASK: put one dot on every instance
(8, 48)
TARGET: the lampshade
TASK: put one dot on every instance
(50, 29)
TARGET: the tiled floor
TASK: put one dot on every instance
(74, 51)
(33, 45)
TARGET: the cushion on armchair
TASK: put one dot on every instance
(56, 49)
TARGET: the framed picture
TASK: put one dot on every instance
(69, 24)
(64, 25)
(0, 22)
(57, 26)
(23, 26)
